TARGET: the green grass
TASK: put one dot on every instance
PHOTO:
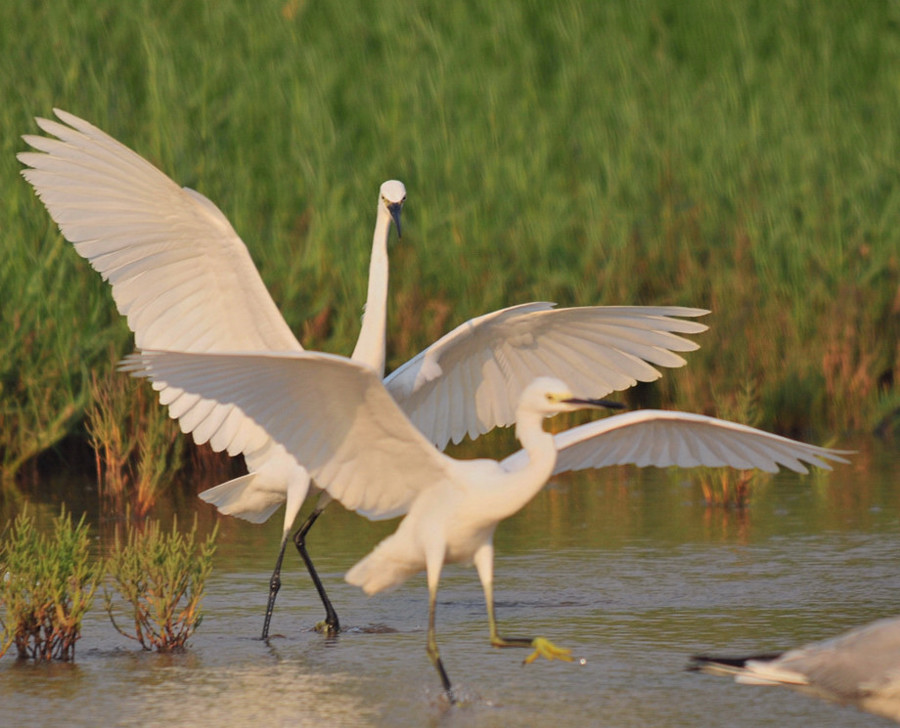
(736, 156)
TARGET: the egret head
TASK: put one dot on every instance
(392, 196)
(550, 396)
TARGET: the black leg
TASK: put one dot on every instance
(331, 625)
(445, 681)
(432, 649)
(274, 586)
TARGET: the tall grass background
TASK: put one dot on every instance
(741, 157)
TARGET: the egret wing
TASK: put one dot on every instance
(178, 270)
(662, 438)
(331, 413)
(470, 380)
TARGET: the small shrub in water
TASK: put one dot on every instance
(47, 583)
(161, 577)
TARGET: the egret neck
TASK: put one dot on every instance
(541, 459)
(370, 346)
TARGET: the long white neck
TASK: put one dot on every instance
(523, 484)
(370, 346)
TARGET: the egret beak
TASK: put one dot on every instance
(597, 403)
(395, 208)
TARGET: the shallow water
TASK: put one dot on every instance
(627, 568)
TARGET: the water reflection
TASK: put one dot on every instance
(280, 693)
(630, 569)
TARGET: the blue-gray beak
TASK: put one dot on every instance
(395, 209)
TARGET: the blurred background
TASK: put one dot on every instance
(740, 157)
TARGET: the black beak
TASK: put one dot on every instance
(395, 208)
(608, 403)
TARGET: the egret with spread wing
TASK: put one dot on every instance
(337, 417)
(185, 281)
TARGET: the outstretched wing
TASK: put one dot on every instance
(178, 270)
(331, 413)
(470, 380)
(661, 438)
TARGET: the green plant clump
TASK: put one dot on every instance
(47, 584)
(162, 577)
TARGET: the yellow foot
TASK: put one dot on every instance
(324, 627)
(545, 648)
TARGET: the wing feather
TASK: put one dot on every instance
(662, 439)
(179, 272)
(595, 349)
(330, 413)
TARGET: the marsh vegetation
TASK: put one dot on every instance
(738, 157)
(153, 580)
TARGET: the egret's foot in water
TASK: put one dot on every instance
(435, 656)
(541, 645)
(445, 682)
(545, 648)
(328, 627)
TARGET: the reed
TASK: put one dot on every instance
(137, 446)
(736, 156)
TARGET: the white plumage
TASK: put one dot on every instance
(185, 281)
(337, 417)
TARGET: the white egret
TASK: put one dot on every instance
(185, 281)
(860, 667)
(337, 417)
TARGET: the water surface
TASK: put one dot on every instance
(630, 569)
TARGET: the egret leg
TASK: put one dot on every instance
(433, 654)
(484, 562)
(541, 645)
(330, 625)
(274, 586)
